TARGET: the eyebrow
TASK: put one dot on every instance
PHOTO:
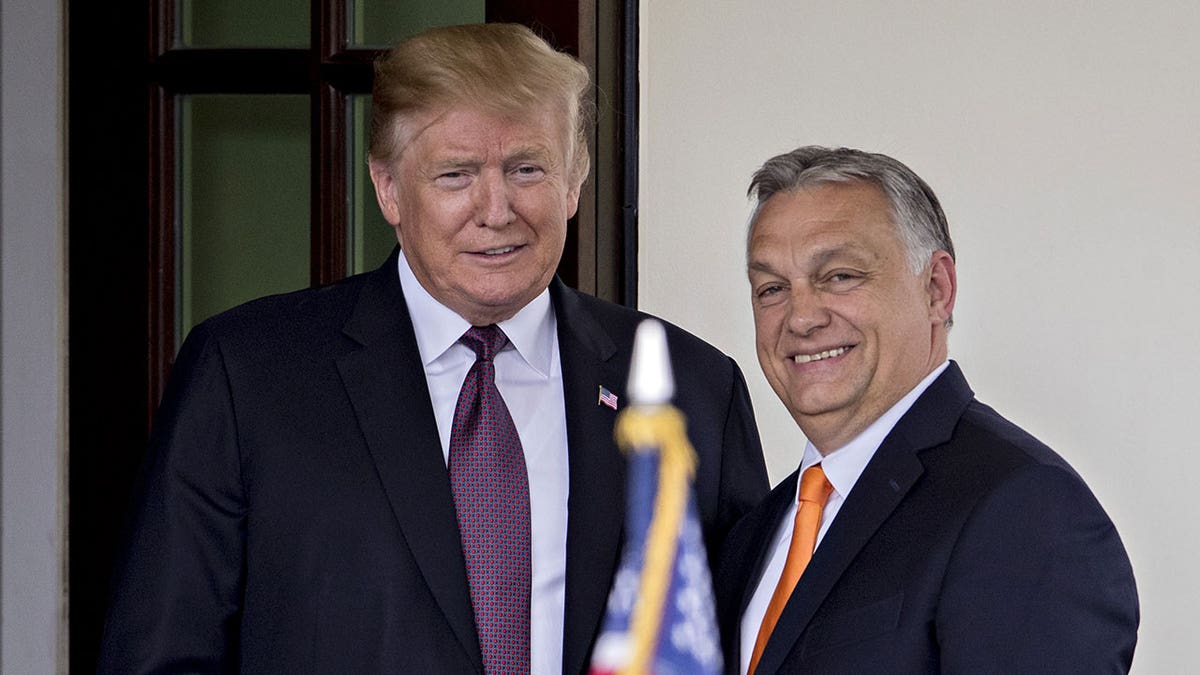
(855, 253)
(520, 154)
(759, 266)
(454, 162)
(528, 152)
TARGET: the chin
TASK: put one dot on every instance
(497, 308)
(814, 405)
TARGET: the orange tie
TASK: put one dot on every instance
(814, 491)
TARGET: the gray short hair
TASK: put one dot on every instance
(916, 211)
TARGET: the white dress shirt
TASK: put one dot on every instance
(529, 377)
(842, 468)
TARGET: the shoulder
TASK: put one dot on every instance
(959, 439)
(620, 323)
(988, 473)
(331, 303)
(282, 323)
(1001, 476)
(1035, 550)
(998, 447)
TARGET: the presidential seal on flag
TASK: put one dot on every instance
(661, 616)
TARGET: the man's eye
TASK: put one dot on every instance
(769, 291)
(843, 277)
(453, 179)
(528, 171)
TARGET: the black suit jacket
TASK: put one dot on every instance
(966, 546)
(295, 514)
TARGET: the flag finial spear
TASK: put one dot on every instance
(650, 379)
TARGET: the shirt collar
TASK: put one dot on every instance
(844, 465)
(438, 328)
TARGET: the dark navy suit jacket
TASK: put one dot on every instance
(966, 546)
(295, 515)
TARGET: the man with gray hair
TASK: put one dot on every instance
(922, 532)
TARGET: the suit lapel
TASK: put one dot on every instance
(878, 491)
(385, 381)
(888, 477)
(740, 572)
(596, 504)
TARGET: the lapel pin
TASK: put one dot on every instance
(607, 398)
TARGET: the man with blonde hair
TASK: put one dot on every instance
(413, 470)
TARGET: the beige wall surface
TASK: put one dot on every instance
(1064, 141)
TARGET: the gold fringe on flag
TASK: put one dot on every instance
(644, 429)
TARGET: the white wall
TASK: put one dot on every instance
(32, 337)
(1064, 141)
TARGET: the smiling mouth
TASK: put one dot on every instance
(500, 251)
(809, 358)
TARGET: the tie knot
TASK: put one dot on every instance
(486, 341)
(814, 486)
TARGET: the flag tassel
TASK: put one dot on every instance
(661, 428)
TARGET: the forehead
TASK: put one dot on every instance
(847, 216)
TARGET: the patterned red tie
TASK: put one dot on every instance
(491, 495)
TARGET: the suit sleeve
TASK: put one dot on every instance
(743, 471)
(176, 594)
(1039, 582)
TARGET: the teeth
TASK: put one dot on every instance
(806, 358)
(498, 251)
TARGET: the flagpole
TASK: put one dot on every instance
(642, 431)
(648, 626)
(653, 425)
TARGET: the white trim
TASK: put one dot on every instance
(32, 339)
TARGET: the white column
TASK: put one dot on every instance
(32, 339)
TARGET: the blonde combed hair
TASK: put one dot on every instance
(501, 67)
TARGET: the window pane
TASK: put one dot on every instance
(381, 23)
(243, 228)
(237, 23)
(371, 238)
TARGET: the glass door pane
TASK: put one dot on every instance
(243, 180)
(238, 23)
(382, 23)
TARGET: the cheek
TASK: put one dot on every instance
(438, 208)
(766, 337)
(438, 221)
(423, 238)
(546, 205)
(767, 322)
(550, 233)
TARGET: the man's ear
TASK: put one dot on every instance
(573, 201)
(943, 287)
(385, 190)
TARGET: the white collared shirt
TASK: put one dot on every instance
(529, 377)
(842, 468)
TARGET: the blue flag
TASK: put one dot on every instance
(661, 616)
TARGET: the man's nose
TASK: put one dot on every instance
(806, 311)
(495, 204)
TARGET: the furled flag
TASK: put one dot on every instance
(661, 617)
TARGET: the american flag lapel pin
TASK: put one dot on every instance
(607, 398)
